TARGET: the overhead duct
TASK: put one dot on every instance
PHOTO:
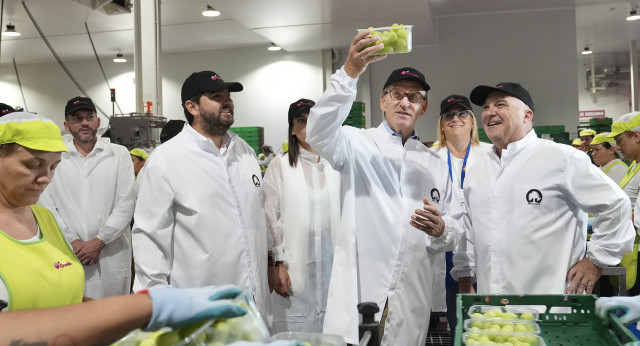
(108, 6)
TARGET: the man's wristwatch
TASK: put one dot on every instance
(271, 259)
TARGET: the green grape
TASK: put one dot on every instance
(401, 45)
(168, 339)
(404, 33)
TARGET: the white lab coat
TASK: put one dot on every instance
(199, 217)
(526, 218)
(302, 206)
(440, 265)
(93, 197)
(379, 257)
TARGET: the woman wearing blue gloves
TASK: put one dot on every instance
(107, 320)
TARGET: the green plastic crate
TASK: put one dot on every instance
(579, 327)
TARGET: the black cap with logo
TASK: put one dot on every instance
(205, 81)
(407, 73)
(79, 102)
(480, 93)
(454, 99)
(297, 107)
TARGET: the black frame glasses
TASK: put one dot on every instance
(461, 115)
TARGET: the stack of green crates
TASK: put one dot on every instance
(356, 116)
(482, 136)
(556, 132)
(254, 136)
(575, 323)
(600, 124)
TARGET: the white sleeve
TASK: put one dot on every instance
(48, 202)
(464, 258)
(591, 190)
(452, 216)
(324, 124)
(122, 212)
(272, 189)
(153, 227)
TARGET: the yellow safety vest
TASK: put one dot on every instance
(41, 274)
(615, 163)
(630, 260)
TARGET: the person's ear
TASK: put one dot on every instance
(192, 108)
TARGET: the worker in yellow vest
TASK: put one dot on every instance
(38, 268)
(577, 143)
(626, 132)
(606, 156)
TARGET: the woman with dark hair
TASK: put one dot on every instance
(606, 157)
(302, 210)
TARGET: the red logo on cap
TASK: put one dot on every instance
(214, 77)
(499, 86)
(409, 73)
(300, 104)
(453, 100)
(79, 102)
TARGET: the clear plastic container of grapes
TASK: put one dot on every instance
(217, 332)
(397, 38)
(481, 338)
(511, 312)
(498, 324)
(311, 339)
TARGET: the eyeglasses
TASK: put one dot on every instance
(413, 97)
(461, 115)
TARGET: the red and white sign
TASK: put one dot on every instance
(592, 114)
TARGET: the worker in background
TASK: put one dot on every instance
(586, 136)
(606, 157)
(577, 143)
(380, 256)
(5, 109)
(265, 157)
(302, 206)
(199, 217)
(459, 146)
(170, 129)
(138, 158)
(626, 132)
(102, 321)
(92, 198)
(527, 205)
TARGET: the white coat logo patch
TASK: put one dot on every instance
(435, 195)
(534, 197)
(256, 181)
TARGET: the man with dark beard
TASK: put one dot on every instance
(92, 199)
(199, 216)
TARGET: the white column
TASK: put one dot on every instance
(633, 71)
(147, 53)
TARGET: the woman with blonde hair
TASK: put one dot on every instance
(460, 146)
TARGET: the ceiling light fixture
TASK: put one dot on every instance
(274, 48)
(210, 12)
(119, 58)
(11, 31)
(633, 15)
(586, 51)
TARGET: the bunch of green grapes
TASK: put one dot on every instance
(395, 40)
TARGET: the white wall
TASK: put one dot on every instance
(536, 49)
(271, 82)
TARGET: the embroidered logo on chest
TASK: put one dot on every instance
(534, 197)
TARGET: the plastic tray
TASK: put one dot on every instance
(578, 326)
(393, 45)
(515, 312)
(487, 338)
(486, 323)
(311, 339)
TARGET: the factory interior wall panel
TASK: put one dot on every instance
(271, 82)
(534, 48)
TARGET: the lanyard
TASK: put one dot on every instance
(464, 165)
(629, 175)
(615, 163)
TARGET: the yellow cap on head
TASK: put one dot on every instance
(601, 138)
(576, 141)
(627, 122)
(587, 132)
(140, 153)
(31, 131)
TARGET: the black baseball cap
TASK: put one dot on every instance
(454, 99)
(79, 102)
(298, 106)
(480, 93)
(5, 109)
(408, 73)
(171, 129)
(205, 81)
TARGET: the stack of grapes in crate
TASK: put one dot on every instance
(509, 325)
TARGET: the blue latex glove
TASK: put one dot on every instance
(176, 307)
(630, 306)
(275, 343)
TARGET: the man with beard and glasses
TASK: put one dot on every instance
(92, 199)
(199, 216)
